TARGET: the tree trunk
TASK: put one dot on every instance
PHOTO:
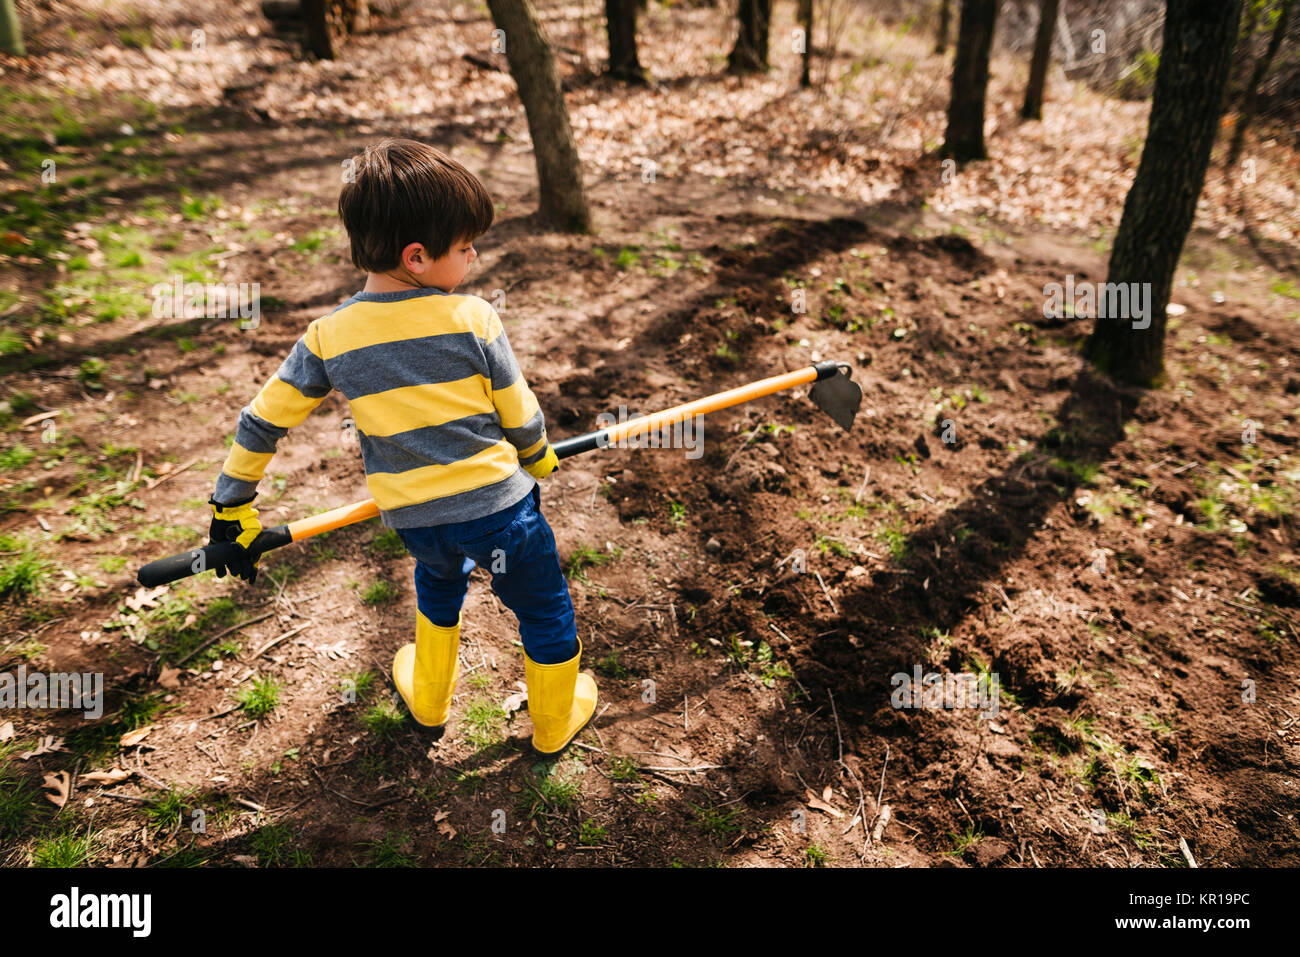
(11, 31)
(326, 27)
(941, 41)
(1161, 205)
(563, 202)
(964, 138)
(1033, 108)
(1250, 102)
(620, 24)
(749, 55)
(805, 15)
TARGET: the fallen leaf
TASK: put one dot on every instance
(132, 738)
(246, 859)
(46, 745)
(448, 830)
(827, 794)
(514, 702)
(106, 777)
(6, 731)
(818, 804)
(441, 816)
(146, 597)
(56, 785)
(170, 678)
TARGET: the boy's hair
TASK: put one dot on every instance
(401, 192)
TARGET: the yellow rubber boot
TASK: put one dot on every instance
(425, 672)
(560, 701)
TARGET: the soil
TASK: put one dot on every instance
(1123, 561)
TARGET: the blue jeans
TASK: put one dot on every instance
(517, 546)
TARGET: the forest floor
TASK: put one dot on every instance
(1123, 562)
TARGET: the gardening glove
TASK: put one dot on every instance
(543, 466)
(236, 523)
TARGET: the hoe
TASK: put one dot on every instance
(834, 392)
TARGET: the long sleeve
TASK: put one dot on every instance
(521, 417)
(283, 403)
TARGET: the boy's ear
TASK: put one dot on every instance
(415, 257)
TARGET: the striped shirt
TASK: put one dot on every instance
(443, 414)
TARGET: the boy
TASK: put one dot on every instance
(452, 438)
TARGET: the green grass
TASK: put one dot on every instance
(715, 821)
(167, 811)
(582, 558)
(17, 802)
(591, 833)
(23, 575)
(260, 698)
(609, 667)
(66, 849)
(483, 724)
(357, 684)
(16, 457)
(387, 544)
(384, 719)
(273, 846)
(816, 856)
(559, 791)
(380, 592)
(391, 852)
(962, 842)
(173, 633)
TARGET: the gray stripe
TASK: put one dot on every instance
(528, 434)
(232, 489)
(304, 370)
(536, 457)
(463, 507)
(501, 360)
(431, 445)
(256, 434)
(426, 360)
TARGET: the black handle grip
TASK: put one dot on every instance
(196, 561)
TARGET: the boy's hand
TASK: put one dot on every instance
(239, 524)
(543, 466)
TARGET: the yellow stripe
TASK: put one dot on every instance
(516, 404)
(371, 323)
(246, 465)
(394, 490)
(282, 405)
(418, 406)
(534, 448)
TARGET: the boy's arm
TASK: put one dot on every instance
(283, 403)
(521, 416)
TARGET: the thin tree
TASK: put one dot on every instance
(941, 38)
(1198, 41)
(1250, 101)
(749, 55)
(1033, 107)
(563, 201)
(620, 25)
(805, 15)
(11, 31)
(964, 138)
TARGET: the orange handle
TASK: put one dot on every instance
(334, 518)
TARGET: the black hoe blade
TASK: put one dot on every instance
(839, 397)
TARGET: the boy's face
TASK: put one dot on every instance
(445, 273)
